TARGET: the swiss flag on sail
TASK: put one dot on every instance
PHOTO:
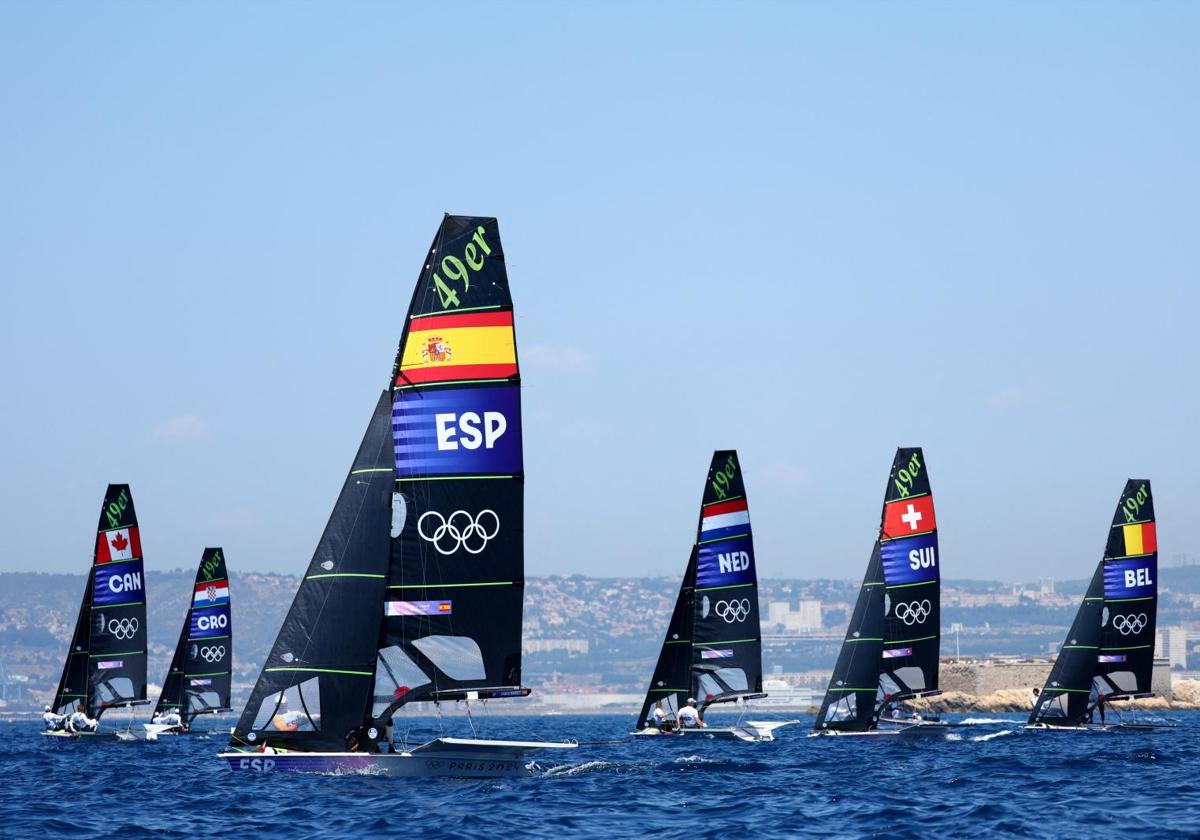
(121, 544)
(908, 516)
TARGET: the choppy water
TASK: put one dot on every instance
(985, 779)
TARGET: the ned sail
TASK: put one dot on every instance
(1109, 652)
(890, 652)
(199, 679)
(106, 663)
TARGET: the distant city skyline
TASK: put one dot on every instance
(807, 234)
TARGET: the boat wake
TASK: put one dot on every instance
(991, 735)
(580, 769)
(984, 721)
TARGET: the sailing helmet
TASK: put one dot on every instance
(48, 709)
(691, 701)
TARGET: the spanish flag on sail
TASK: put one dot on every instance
(451, 348)
(1140, 539)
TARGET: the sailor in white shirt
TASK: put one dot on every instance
(660, 716)
(170, 717)
(80, 722)
(51, 720)
(1033, 698)
(689, 716)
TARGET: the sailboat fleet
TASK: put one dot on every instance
(414, 593)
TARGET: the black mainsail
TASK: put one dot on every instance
(713, 648)
(1109, 652)
(416, 589)
(106, 665)
(890, 652)
(199, 679)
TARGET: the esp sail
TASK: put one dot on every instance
(106, 665)
(713, 648)
(199, 679)
(1109, 652)
(890, 652)
(415, 590)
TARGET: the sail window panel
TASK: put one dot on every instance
(295, 709)
(203, 701)
(458, 657)
(912, 677)
(844, 709)
(1121, 681)
(1055, 707)
(395, 675)
(116, 690)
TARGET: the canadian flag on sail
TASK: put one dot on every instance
(121, 544)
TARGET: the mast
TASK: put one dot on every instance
(199, 679)
(891, 648)
(713, 647)
(1109, 651)
(106, 664)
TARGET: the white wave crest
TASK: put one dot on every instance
(576, 769)
(983, 721)
(992, 735)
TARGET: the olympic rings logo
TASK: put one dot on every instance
(212, 654)
(125, 628)
(733, 611)
(914, 612)
(1130, 624)
(459, 530)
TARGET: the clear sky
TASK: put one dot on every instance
(812, 232)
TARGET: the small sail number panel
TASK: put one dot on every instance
(891, 648)
(106, 665)
(1109, 651)
(713, 647)
(199, 679)
(415, 589)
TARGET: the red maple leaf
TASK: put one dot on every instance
(119, 542)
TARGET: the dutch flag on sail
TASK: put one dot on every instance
(724, 519)
(211, 594)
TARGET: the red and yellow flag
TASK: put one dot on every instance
(1140, 539)
(449, 348)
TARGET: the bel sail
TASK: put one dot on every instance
(106, 664)
(1109, 652)
(415, 590)
(199, 679)
(890, 653)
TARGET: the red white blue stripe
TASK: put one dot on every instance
(724, 519)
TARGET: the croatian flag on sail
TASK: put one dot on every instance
(724, 519)
(211, 594)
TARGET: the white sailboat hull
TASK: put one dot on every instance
(448, 757)
(917, 729)
(750, 731)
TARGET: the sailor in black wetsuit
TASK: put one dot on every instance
(1099, 707)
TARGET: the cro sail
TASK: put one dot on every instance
(199, 679)
(713, 648)
(890, 652)
(106, 665)
(415, 591)
(1109, 652)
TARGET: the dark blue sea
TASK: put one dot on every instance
(985, 780)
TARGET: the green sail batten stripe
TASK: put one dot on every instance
(118, 528)
(1135, 522)
(730, 642)
(679, 642)
(875, 583)
(1131, 647)
(723, 501)
(450, 585)
(1095, 598)
(852, 689)
(372, 470)
(1127, 600)
(325, 671)
(205, 638)
(907, 585)
(865, 639)
(452, 478)
(1067, 691)
(450, 382)
(715, 588)
(724, 539)
(118, 563)
(1081, 647)
(212, 674)
(909, 496)
(127, 653)
(456, 309)
(669, 690)
(907, 536)
(910, 641)
(345, 575)
(1130, 556)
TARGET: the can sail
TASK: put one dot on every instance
(890, 652)
(1109, 652)
(199, 679)
(713, 647)
(415, 590)
(106, 665)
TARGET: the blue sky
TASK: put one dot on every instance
(812, 232)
